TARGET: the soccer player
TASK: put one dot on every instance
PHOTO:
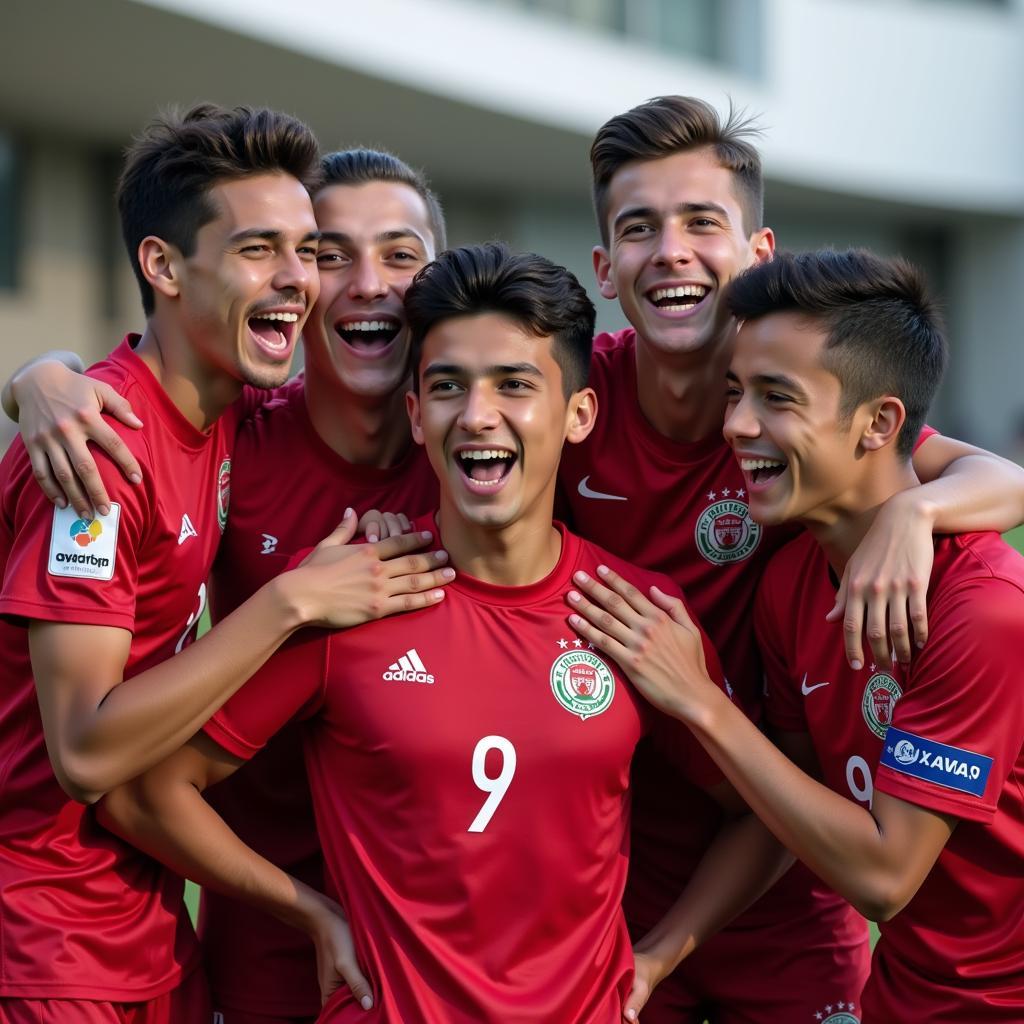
(469, 764)
(919, 817)
(220, 229)
(336, 436)
(678, 196)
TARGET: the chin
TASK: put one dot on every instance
(265, 377)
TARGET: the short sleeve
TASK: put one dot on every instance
(672, 738)
(783, 708)
(289, 686)
(957, 731)
(63, 568)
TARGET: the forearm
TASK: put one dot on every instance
(173, 823)
(974, 492)
(137, 723)
(8, 398)
(743, 861)
(838, 839)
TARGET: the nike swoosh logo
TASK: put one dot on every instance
(588, 493)
(805, 689)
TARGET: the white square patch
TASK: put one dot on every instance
(85, 548)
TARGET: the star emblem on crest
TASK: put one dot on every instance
(740, 493)
(711, 495)
(577, 642)
(563, 643)
(726, 491)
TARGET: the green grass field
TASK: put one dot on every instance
(1014, 537)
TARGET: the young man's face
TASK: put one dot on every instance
(800, 458)
(676, 239)
(493, 417)
(375, 237)
(246, 289)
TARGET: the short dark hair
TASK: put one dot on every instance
(171, 167)
(363, 166)
(885, 334)
(544, 298)
(679, 124)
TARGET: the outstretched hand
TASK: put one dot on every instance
(59, 413)
(647, 975)
(342, 584)
(654, 641)
(887, 575)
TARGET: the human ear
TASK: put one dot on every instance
(582, 415)
(888, 415)
(159, 266)
(603, 270)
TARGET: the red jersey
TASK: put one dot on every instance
(469, 765)
(947, 734)
(290, 491)
(680, 509)
(83, 915)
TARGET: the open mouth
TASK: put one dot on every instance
(368, 337)
(274, 332)
(485, 468)
(680, 299)
(762, 472)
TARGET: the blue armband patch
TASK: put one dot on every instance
(952, 767)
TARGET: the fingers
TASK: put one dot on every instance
(394, 547)
(853, 627)
(342, 533)
(876, 626)
(673, 606)
(607, 616)
(377, 525)
(624, 589)
(917, 598)
(636, 1000)
(348, 969)
(85, 488)
(420, 579)
(116, 405)
(601, 640)
(614, 602)
(66, 480)
(42, 471)
(899, 630)
(837, 609)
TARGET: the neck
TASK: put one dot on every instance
(364, 431)
(683, 395)
(200, 392)
(842, 524)
(510, 556)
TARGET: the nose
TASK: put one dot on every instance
(741, 422)
(478, 412)
(673, 246)
(365, 281)
(293, 273)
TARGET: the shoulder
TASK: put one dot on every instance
(589, 556)
(977, 578)
(611, 351)
(787, 567)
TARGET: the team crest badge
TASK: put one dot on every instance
(582, 683)
(840, 1013)
(726, 533)
(223, 493)
(880, 696)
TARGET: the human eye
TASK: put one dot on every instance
(443, 387)
(637, 230)
(516, 385)
(777, 398)
(256, 249)
(329, 258)
(733, 393)
(308, 253)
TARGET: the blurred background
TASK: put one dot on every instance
(894, 124)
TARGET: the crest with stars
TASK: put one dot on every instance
(581, 681)
(838, 1013)
(725, 532)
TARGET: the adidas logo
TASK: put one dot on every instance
(408, 669)
(187, 530)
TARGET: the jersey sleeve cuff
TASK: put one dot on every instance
(230, 740)
(932, 796)
(84, 616)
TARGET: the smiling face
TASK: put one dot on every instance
(375, 237)
(493, 417)
(247, 287)
(801, 457)
(676, 239)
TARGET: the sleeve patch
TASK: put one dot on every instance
(951, 767)
(84, 548)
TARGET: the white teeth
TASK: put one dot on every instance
(369, 325)
(288, 318)
(491, 453)
(685, 290)
(751, 464)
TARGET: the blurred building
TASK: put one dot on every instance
(888, 123)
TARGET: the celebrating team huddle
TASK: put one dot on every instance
(582, 728)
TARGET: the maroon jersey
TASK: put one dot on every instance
(680, 509)
(946, 734)
(469, 765)
(290, 491)
(83, 915)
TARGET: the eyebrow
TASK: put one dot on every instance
(397, 235)
(269, 235)
(633, 212)
(497, 370)
(769, 380)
